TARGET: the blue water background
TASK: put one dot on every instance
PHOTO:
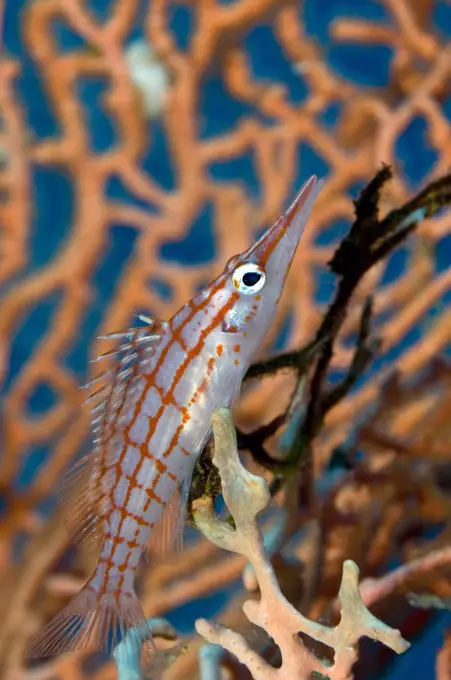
(219, 113)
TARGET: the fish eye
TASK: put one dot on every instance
(249, 278)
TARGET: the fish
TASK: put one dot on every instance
(152, 414)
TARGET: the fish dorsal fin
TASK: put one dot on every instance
(167, 535)
(81, 491)
(78, 499)
(109, 389)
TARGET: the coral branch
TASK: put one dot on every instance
(443, 664)
(374, 589)
(210, 657)
(127, 653)
(246, 495)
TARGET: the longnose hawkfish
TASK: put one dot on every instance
(152, 419)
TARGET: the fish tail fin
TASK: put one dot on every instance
(96, 622)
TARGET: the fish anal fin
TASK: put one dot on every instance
(166, 538)
(79, 498)
(91, 622)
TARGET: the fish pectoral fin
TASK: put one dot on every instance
(166, 538)
(79, 498)
(91, 622)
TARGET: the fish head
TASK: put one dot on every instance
(255, 279)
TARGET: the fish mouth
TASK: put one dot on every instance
(290, 226)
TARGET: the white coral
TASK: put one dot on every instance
(149, 75)
(246, 495)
